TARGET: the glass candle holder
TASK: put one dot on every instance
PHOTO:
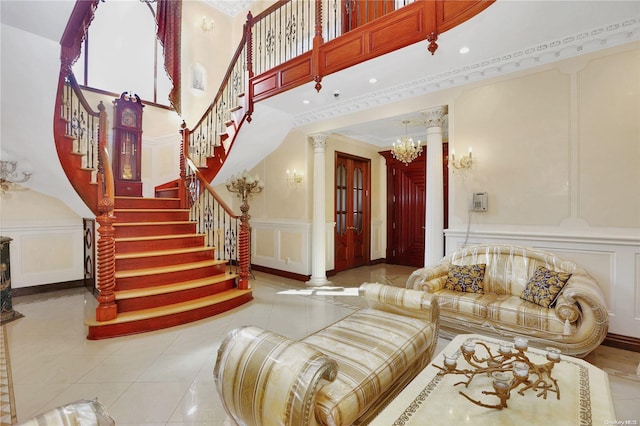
(469, 346)
(520, 369)
(521, 343)
(451, 360)
(553, 354)
(501, 381)
(505, 348)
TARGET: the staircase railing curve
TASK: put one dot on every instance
(214, 218)
(81, 142)
(287, 29)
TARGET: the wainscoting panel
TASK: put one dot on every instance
(46, 255)
(284, 246)
(614, 262)
(378, 239)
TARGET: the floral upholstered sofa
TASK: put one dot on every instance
(343, 374)
(506, 290)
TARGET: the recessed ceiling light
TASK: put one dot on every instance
(306, 101)
(373, 80)
(463, 50)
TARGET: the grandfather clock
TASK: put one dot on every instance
(127, 145)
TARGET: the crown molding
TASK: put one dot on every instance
(229, 7)
(567, 47)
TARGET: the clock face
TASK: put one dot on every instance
(129, 118)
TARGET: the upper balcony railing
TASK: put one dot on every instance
(288, 28)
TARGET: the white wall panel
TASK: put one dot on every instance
(45, 255)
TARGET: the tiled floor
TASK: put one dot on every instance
(165, 377)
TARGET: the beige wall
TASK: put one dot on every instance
(558, 147)
(213, 50)
(48, 239)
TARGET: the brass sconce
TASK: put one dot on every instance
(461, 165)
(295, 177)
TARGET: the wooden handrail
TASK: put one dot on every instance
(210, 189)
(226, 78)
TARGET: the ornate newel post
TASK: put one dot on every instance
(107, 308)
(244, 185)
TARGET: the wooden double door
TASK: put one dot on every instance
(352, 211)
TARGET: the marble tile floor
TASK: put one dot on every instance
(165, 377)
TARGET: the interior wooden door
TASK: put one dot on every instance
(358, 12)
(352, 211)
(406, 207)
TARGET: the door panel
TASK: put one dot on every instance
(352, 212)
(406, 207)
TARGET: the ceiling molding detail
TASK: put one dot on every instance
(554, 50)
(229, 7)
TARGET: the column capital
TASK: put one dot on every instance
(434, 117)
(319, 140)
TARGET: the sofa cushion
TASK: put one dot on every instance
(466, 278)
(372, 348)
(544, 287)
(517, 314)
(465, 304)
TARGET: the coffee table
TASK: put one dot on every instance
(430, 399)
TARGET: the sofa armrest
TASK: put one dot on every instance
(263, 377)
(583, 308)
(429, 279)
(401, 301)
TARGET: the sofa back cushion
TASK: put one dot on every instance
(508, 268)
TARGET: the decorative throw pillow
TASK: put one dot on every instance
(544, 287)
(467, 278)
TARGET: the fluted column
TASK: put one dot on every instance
(318, 237)
(434, 230)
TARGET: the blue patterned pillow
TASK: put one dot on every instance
(544, 287)
(466, 278)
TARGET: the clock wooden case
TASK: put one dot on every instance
(127, 145)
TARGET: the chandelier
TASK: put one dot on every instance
(10, 174)
(405, 149)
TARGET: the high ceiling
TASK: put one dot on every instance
(508, 36)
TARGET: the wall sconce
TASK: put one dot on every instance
(295, 177)
(206, 25)
(9, 175)
(461, 165)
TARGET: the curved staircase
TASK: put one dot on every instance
(165, 275)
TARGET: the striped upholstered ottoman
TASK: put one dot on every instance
(343, 374)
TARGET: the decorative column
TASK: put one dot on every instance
(244, 185)
(434, 230)
(318, 236)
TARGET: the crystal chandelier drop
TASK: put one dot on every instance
(405, 149)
